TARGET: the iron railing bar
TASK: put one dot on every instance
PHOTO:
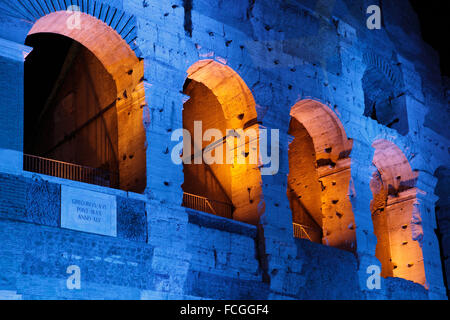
(64, 163)
(207, 205)
(302, 228)
(69, 171)
(200, 197)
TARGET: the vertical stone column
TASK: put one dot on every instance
(246, 180)
(424, 218)
(162, 116)
(276, 233)
(338, 220)
(131, 150)
(12, 56)
(443, 219)
(405, 236)
(360, 197)
(167, 220)
(413, 98)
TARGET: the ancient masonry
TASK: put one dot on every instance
(92, 92)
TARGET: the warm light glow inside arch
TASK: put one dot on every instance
(231, 106)
(127, 71)
(319, 176)
(324, 127)
(394, 214)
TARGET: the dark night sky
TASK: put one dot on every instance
(434, 20)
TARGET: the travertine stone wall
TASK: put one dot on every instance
(64, 131)
(316, 50)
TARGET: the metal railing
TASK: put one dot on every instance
(203, 204)
(301, 232)
(70, 171)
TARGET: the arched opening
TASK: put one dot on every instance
(70, 111)
(83, 104)
(220, 117)
(443, 220)
(319, 177)
(394, 214)
(383, 101)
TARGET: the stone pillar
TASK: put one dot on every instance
(246, 180)
(405, 236)
(12, 57)
(276, 231)
(167, 220)
(413, 98)
(360, 197)
(424, 217)
(162, 117)
(131, 151)
(443, 219)
(168, 225)
(338, 218)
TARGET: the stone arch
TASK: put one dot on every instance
(391, 73)
(319, 175)
(123, 23)
(384, 98)
(221, 100)
(395, 216)
(229, 88)
(103, 41)
(442, 210)
(127, 72)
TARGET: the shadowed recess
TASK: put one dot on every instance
(93, 95)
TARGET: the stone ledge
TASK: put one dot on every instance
(38, 201)
(210, 221)
(13, 50)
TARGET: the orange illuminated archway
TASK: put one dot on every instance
(394, 214)
(319, 176)
(103, 41)
(233, 94)
(127, 71)
(220, 99)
